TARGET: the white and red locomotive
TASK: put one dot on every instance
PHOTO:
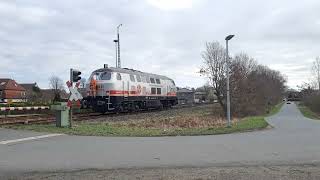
(122, 89)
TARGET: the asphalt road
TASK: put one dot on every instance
(292, 141)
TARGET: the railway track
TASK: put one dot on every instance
(45, 118)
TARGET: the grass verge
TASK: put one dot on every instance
(275, 109)
(307, 112)
(107, 129)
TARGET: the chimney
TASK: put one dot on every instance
(105, 66)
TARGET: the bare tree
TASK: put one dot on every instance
(253, 88)
(316, 70)
(56, 84)
(214, 68)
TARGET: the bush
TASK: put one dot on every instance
(312, 101)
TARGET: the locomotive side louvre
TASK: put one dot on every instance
(126, 89)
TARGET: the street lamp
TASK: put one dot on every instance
(228, 86)
(118, 40)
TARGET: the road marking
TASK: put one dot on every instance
(29, 138)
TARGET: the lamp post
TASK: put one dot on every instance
(228, 86)
(118, 41)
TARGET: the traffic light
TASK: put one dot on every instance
(75, 75)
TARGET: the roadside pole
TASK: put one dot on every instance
(228, 83)
(70, 111)
(74, 93)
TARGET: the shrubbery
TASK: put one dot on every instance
(254, 88)
(312, 101)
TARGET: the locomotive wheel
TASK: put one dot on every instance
(119, 109)
(161, 107)
(136, 107)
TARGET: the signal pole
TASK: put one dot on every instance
(70, 111)
(74, 78)
(116, 45)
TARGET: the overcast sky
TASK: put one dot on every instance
(40, 38)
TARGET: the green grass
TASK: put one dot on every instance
(107, 129)
(202, 120)
(307, 112)
(275, 109)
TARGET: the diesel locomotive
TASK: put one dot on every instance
(123, 89)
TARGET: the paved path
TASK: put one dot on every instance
(293, 140)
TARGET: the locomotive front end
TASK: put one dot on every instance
(101, 82)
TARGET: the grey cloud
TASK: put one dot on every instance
(42, 38)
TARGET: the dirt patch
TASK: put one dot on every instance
(226, 173)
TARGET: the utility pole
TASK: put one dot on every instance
(228, 83)
(118, 36)
(116, 45)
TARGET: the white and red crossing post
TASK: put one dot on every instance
(74, 93)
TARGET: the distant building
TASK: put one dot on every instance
(32, 92)
(185, 96)
(10, 90)
(200, 97)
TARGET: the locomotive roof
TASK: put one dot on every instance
(131, 71)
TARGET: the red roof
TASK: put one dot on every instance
(10, 84)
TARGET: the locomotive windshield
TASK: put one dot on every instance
(105, 76)
(101, 75)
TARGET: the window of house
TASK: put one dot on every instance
(158, 90)
(132, 78)
(158, 81)
(105, 76)
(118, 76)
(0, 93)
(153, 90)
(138, 78)
(152, 80)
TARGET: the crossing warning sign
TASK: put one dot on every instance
(74, 93)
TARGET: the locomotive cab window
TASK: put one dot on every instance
(143, 79)
(105, 76)
(158, 90)
(173, 82)
(132, 78)
(158, 81)
(148, 79)
(152, 80)
(153, 90)
(138, 78)
(118, 76)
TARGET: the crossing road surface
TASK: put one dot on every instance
(293, 140)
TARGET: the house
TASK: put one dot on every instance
(32, 92)
(10, 90)
(185, 96)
